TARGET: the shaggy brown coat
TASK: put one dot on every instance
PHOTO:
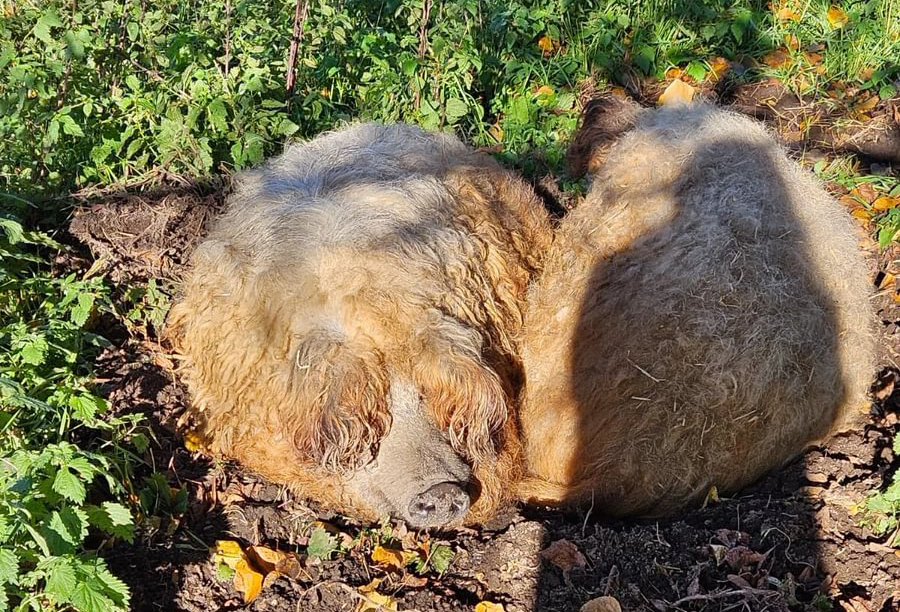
(702, 317)
(367, 255)
(699, 318)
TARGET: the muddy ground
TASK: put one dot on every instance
(791, 542)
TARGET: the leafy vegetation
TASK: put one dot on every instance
(102, 92)
(881, 510)
(57, 451)
(95, 93)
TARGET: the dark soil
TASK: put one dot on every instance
(791, 542)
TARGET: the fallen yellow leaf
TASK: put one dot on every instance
(496, 132)
(776, 58)
(544, 90)
(487, 606)
(866, 105)
(228, 552)
(887, 280)
(375, 601)
(266, 558)
(718, 67)
(192, 442)
(865, 192)
(861, 214)
(885, 203)
(712, 496)
(677, 93)
(813, 58)
(602, 604)
(788, 14)
(247, 580)
(837, 18)
(547, 45)
(387, 557)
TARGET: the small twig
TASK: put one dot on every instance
(423, 29)
(299, 23)
(423, 46)
(227, 37)
(645, 372)
(588, 515)
(721, 594)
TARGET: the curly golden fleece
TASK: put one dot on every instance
(349, 326)
(384, 321)
(702, 317)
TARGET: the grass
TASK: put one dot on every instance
(97, 93)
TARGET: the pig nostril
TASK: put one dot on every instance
(424, 508)
(440, 504)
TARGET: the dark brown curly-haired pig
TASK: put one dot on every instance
(384, 321)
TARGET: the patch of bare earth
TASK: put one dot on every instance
(791, 542)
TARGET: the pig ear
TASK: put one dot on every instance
(253, 376)
(465, 396)
(336, 410)
(603, 121)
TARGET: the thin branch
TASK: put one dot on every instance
(227, 37)
(299, 23)
(721, 594)
(423, 29)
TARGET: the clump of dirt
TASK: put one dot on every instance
(846, 120)
(143, 236)
(791, 542)
(874, 133)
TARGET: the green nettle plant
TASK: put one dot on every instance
(63, 462)
(881, 510)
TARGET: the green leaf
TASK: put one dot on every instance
(5, 529)
(644, 58)
(321, 544)
(118, 514)
(69, 126)
(35, 351)
(87, 597)
(65, 530)
(62, 578)
(46, 21)
(9, 567)
(287, 127)
(75, 46)
(113, 518)
(115, 588)
(133, 30)
(696, 71)
(82, 311)
(409, 66)
(84, 408)
(217, 115)
(441, 557)
(13, 230)
(69, 486)
(224, 573)
(456, 108)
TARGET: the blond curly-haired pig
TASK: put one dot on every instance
(701, 318)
